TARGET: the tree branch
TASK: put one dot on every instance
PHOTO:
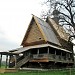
(66, 21)
(65, 15)
(73, 14)
(63, 6)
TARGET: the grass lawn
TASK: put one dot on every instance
(67, 72)
(35, 73)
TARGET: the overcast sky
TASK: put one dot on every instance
(15, 16)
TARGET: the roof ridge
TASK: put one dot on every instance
(38, 18)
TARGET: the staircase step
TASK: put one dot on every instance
(22, 62)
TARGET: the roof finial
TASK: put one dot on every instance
(55, 14)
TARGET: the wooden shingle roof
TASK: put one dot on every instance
(59, 29)
(46, 31)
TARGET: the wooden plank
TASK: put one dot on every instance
(40, 29)
(34, 43)
(26, 32)
(39, 61)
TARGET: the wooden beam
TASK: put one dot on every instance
(48, 50)
(61, 53)
(6, 61)
(15, 60)
(42, 60)
(55, 52)
(0, 59)
(9, 60)
(38, 51)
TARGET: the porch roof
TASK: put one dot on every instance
(20, 50)
(8, 53)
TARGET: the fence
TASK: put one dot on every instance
(66, 71)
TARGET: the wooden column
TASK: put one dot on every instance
(48, 50)
(55, 55)
(9, 60)
(29, 54)
(61, 53)
(0, 59)
(15, 60)
(6, 61)
(38, 51)
(66, 56)
(69, 55)
(55, 52)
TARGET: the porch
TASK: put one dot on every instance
(44, 53)
(7, 58)
(47, 54)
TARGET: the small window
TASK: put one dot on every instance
(40, 38)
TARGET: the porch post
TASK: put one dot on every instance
(0, 59)
(69, 55)
(15, 60)
(55, 56)
(61, 53)
(9, 60)
(38, 51)
(66, 56)
(6, 61)
(48, 50)
(55, 52)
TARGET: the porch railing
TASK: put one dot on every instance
(52, 57)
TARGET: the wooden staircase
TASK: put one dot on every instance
(22, 62)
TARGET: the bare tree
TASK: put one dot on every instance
(66, 10)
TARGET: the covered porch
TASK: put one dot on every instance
(7, 58)
(43, 54)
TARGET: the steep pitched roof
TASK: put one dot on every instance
(59, 29)
(45, 29)
(61, 34)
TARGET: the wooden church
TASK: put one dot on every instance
(45, 45)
